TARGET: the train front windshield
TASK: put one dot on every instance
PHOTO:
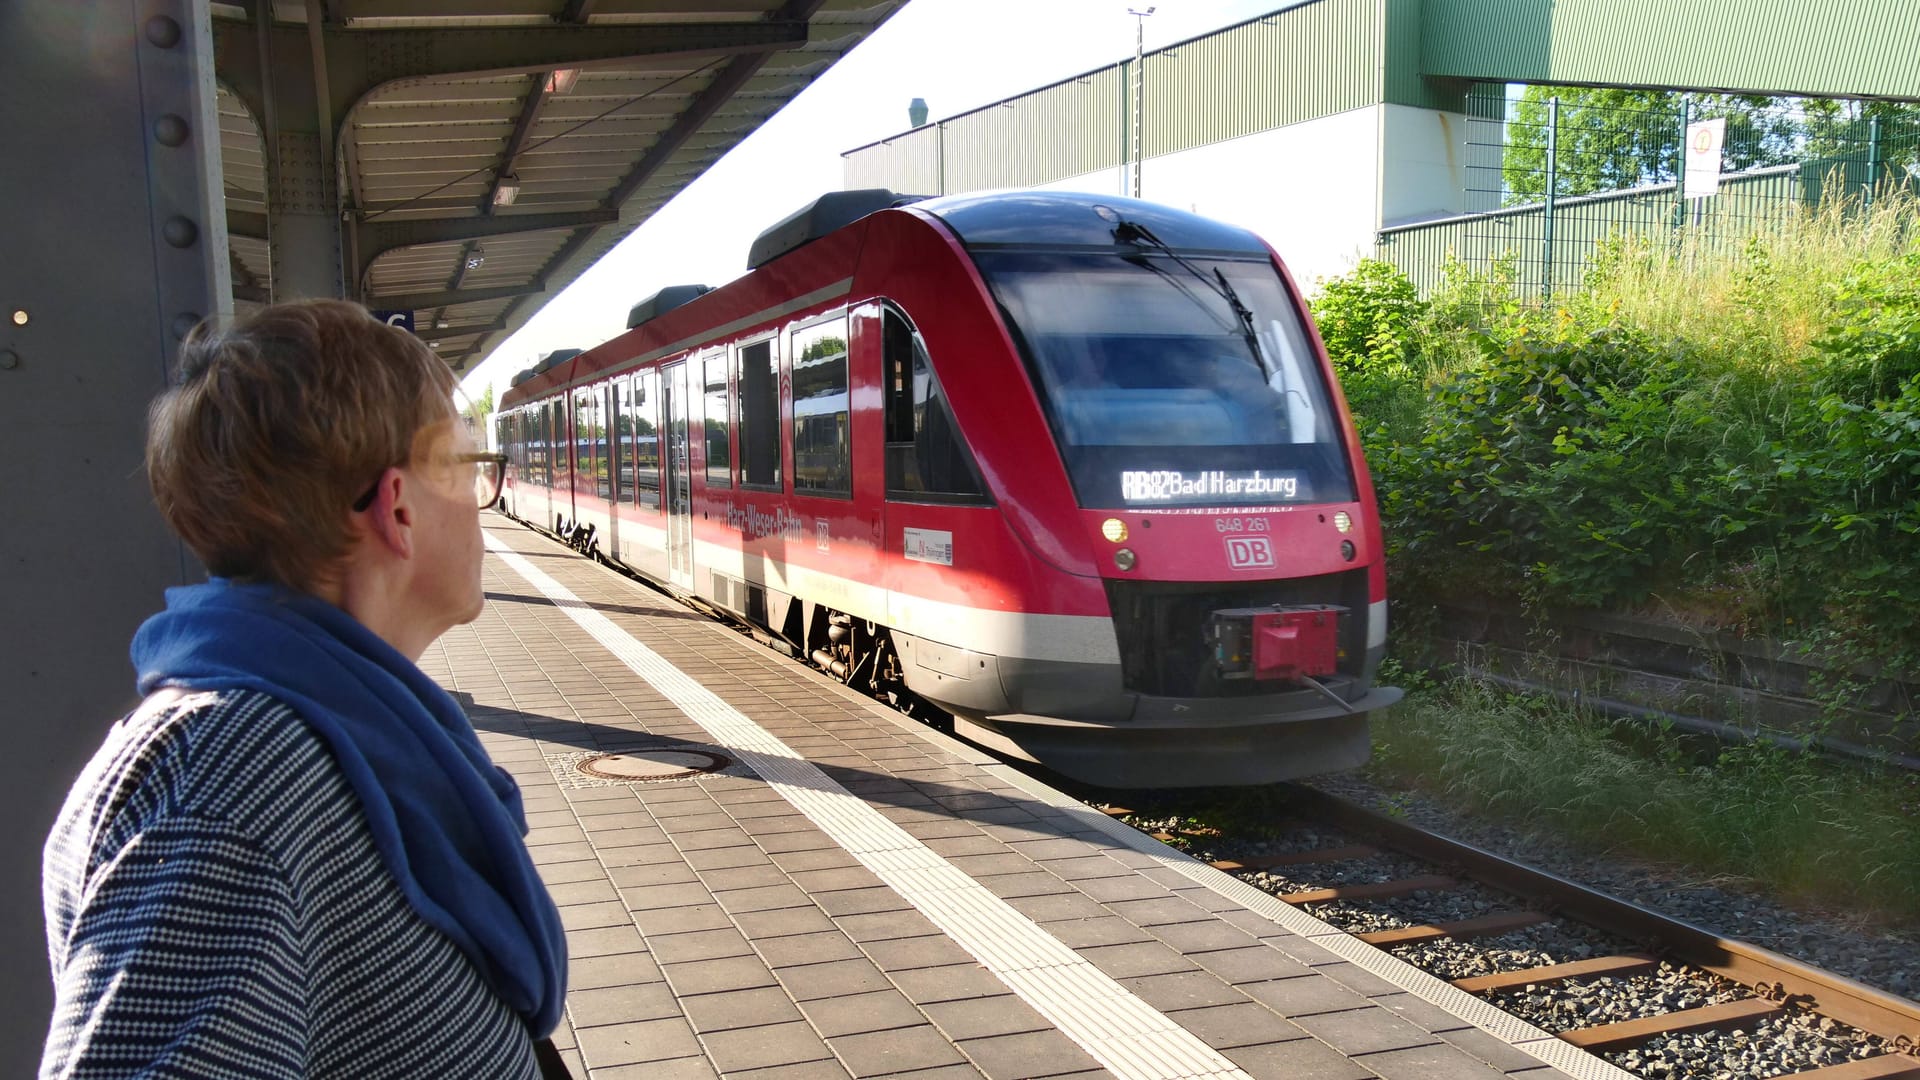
(1173, 382)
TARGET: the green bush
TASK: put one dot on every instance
(1730, 434)
(1552, 458)
(1371, 321)
(1873, 343)
(1368, 319)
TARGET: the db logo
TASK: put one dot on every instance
(1249, 552)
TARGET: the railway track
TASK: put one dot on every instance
(1655, 996)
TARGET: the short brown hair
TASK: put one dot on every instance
(276, 424)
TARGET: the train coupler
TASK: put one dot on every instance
(1278, 643)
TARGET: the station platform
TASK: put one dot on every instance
(854, 894)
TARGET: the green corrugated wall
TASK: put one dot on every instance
(1311, 61)
(1835, 47)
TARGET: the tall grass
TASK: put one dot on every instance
(1748, 305)
(1790, 823)
(1754, 302)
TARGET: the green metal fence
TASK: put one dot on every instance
(1549, 177)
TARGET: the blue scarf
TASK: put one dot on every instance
(447, 822)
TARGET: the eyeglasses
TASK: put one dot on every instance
(489, 472)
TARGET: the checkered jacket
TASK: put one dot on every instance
(216, 908)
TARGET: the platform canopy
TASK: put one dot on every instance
(465, 160)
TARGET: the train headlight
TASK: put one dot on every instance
(1347, 551)
(1123, 559)
(1342, 522)
(1114, 529)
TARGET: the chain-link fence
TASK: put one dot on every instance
(1549, 176)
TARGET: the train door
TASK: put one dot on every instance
(614, 457)
(679, 482)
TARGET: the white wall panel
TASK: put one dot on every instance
(1423, 164)
(1311, 189)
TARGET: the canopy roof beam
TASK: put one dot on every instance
(421, 301)
(379, 237)
(358, 61)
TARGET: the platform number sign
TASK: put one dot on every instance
(401, 319)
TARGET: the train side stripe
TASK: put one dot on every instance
(1128, 1037)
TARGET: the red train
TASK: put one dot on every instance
(1073, 469)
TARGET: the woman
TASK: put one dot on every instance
(294, 859)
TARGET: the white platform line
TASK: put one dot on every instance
(1128, 1037)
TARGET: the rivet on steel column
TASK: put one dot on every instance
(163, 31)
(171, 130)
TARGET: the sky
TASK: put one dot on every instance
(957, 54)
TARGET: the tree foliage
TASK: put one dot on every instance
(1609, 139)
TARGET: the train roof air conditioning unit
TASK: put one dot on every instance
(832, 211)
(664, 301)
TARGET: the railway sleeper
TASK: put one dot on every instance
(1882, 1067)
(1485, 926)
(1344, 853)
(1377, 890)
(1628, 1034)
(1616, 966)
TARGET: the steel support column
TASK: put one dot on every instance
(303, 196)
(116, 245)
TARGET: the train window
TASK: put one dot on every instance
(603, 475)
(621, 438)
(517, 445)
(552, 421)
(927, 459)
(582, 442)
(646, 440)
(821, 421)
(759, 416)
(536, 435)
(718, 423)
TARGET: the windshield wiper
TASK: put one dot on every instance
(1131, 232)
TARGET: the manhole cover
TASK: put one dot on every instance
(647, 765)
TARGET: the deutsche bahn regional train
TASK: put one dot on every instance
(1073, 469)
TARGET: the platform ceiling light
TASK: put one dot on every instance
(1342, 521)
(562, 80)
(506, 190)
(476, 257)
(1114, 529)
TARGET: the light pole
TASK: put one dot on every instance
(1139, 86)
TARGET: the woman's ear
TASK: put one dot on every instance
(388, 522)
